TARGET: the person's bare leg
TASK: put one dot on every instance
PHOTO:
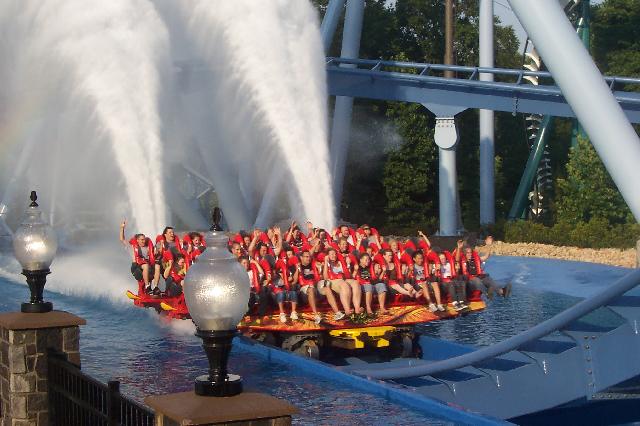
(436, 293)
(345, 295)
(311, 296)
(356, 293)
(281, 307)
(331, 299)
(381, 301)
(156, 276)
(368, 298)
(412, 291)
(145, 274)
(400, 289)
(425, 292)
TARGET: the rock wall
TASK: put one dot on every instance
(615, 257)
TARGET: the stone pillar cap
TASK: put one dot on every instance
(53, 319)
(187, 408)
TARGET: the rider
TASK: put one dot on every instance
(174, 276)
(366, 277)
(420, 276)
(143, 267)
(308, 279)
(336, 272)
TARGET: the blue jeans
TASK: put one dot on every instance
(286, 296)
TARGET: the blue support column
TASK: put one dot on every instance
(330, 22)
(446, 137)
(344, 105)
(487, 144)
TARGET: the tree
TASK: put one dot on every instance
(588, 192)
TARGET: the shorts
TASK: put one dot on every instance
(286, 296)
(378, 287)
(335, 284)
(322, 286)
(136, 271)
(305, 288)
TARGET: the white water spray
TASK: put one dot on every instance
(265, 98)
(90, 73)
(94, 111)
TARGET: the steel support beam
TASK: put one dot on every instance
(330, 22)
(372, 81)
(344, 105)
(574, 71)
(487, 144)
(446, 137)
(521, 198)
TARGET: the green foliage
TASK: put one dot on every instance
(409, 173)
(616, 37)
(596, 233)
(588, 192)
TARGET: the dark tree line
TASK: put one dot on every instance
(393, 163)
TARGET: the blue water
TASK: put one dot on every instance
(151, 356)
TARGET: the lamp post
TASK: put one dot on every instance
(35, 245)
(216, 290)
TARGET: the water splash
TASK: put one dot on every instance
(256, 72)
(90, 76)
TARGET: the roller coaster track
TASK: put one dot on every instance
(423, 83)
(566, 358)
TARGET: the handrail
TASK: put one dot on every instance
(557, 322)
(334, 61)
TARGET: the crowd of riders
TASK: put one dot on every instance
(356, 271)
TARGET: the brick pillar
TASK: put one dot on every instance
(24, 341)
(245, 409)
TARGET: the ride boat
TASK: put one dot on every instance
(393, 330)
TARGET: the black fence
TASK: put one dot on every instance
(78, 399)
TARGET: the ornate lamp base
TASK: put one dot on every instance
(217, 345)
(36, 281)
(37, 307)
(230, 387)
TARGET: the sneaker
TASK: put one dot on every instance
(294, 315)
(283, 318)
(432, 307)
(506, 291)
(156, 291)
(317, 318)
(441, 308)
(147, 289)
(338, 316)
(454, 304)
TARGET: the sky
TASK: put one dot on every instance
(502, 9)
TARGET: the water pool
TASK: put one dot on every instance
(150, 356)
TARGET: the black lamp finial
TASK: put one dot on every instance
(33, 197)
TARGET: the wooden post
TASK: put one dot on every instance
(245, 409)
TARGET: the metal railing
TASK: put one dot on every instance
(422, 72)
(557, 322)
(78, 399)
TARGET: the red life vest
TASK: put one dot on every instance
(283, 275)
(452, 264)
(337, 275)
(139, 253)
(397, 273)
(176, 276)
(254, 277)
(363, 280)
(308, 278)
(475, 258)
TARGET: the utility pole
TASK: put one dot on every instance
(448, 37)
